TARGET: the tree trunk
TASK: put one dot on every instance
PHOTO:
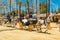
(38, 12)
(28, 5)
(19, 10)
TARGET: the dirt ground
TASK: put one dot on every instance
(7, 33)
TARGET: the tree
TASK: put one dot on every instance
(5, 8)
(19, 8)
(43, 7)
(28, 5)
(58, 10)
(38, 11)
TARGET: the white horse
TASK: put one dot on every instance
(39, 24)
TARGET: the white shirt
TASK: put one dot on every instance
(24, 20)
(40, 21)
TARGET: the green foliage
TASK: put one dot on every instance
(43, 10)
(43, 7)
(59, 10)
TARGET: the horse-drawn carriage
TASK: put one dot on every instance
(32, 23)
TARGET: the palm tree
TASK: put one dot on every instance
(0, 7)
(43, 7)
(48, 7)
(10, 5)
(34, 5)
(19, 9)
(25, 5)
(38, 11)
(5, 8)
(0, 11)
(59, 10)
(28, 5)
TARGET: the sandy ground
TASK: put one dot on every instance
(7, 33)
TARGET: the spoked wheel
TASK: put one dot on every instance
(0, 23)
(8, 24)
(19, 25)
(30, 27)
(38, 28)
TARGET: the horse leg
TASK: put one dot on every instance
(40, 28)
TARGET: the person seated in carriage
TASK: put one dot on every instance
(8, 18)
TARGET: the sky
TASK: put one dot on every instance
(55, 4)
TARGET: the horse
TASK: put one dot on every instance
(39, 23)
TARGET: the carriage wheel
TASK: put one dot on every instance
(21, 25)
(0, 23)
(34, 25)
(30, 27)
(38, 28)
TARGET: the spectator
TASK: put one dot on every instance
(30, 15)
(27, 16)
(34, 16)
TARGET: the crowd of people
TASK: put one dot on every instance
(31, 19)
